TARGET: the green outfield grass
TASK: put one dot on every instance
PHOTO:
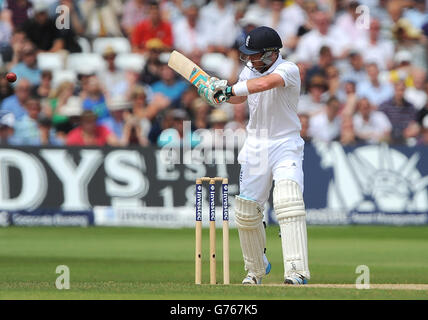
(138, 263)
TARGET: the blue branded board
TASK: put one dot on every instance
(366, 184)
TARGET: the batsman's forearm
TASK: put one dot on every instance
(237, 100)
(258, 85)
(244, 88)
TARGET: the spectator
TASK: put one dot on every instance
(117, 107)
(326, 125)
(28, 67)
(188, 31)
(112, 79)
(95, 100)
(101, 18)
(262, 9)
(347, 132)
(76, 19)
(324, 61)
(125, 126)
(26, 129)
(173, 10)
(423, 140)
(33, 128)
(310, 11)
(348, 23)
(76, 28)
(164, 120)
(333, 80)
(416, 13)
(401, 114)
(16, 103)
(17, 43)
(139, 102)
(354, 69)
(312, 102)
(5, 37)
(150, 73)
(375, 90)
(89, 133)
(41, 30)
(7, 122)
(186, 99)
(45, 87)
(134, 11)
(154, 27)
(132, 77)
(61, 102)
(218, 17)
(247, 23)
(375, 49)
(304, 122)
(173, 134)
(84, 75)
(370, 125)
(421, 114)
(291, 18)
(215, 137)
(47, 135)
(416, 95)
(144, 113)
(199, 114)
(324, 34)
(410, 39)
(402, 69)
(134, 134)
(349, 98)
(169, 85)
(20, 11)
(303, 71)
(379, 10)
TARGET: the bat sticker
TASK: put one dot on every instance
(196, 76)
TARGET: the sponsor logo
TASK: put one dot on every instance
(212, 203)
(197, 76)
(373, 180)
(225, 203)
(198, 202)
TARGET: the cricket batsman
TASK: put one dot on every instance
(272, 87)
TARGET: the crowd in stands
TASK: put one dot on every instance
(363, 67)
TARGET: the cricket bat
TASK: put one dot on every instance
(187, 69)
(190, 71)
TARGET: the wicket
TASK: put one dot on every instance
(198, 228)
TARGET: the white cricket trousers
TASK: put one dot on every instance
(265, 160)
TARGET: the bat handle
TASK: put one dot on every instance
(220, 96)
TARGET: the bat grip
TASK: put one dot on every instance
(220, 96)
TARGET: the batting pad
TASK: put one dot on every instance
(252, 234)
(290, 211)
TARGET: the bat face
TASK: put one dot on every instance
(191, 72)
(197, 76)
(187, 69)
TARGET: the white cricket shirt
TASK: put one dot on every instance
(275, 110)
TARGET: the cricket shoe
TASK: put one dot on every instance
(252, 279)
(295, 278)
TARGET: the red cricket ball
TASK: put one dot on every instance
(11, 77)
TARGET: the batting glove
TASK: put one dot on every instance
(212, 92)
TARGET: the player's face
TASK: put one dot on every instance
(255, 60)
